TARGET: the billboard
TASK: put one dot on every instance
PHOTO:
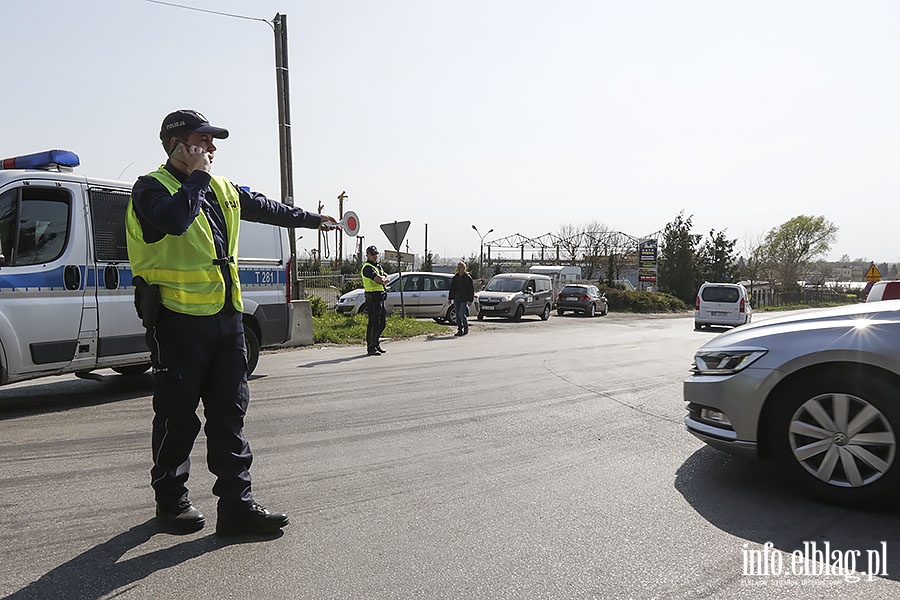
(647, 261)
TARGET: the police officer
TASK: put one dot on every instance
(374, 278)
(182, 227)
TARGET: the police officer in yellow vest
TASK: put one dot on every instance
(374, 278)
(182, 228)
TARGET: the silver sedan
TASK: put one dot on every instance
(819, 391)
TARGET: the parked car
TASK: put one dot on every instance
(884, 290)
(722, 304)
(512, 295)
(818, 391)
(424, 295)
(583, 299)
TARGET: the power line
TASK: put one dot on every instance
(213, 12)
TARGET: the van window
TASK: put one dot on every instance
(505, 285)
(108, 222)
(720, 294)
(543, 285)
(34, 225)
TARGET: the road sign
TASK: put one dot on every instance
(395, 232)
(405, 257)
(873, 274)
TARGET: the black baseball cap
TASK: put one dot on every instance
(371, 250)
(187, 121)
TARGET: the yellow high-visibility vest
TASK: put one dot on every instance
(182, 265)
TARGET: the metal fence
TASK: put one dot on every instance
(812, 296)
(327, 287)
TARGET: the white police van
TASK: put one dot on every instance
(66, 294)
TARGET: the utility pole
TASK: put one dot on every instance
(284, 136)
(319, 251)
(341, 197)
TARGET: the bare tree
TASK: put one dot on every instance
(570, 238)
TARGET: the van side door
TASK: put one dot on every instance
(120, 334)
(42, 276)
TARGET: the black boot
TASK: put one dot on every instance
(181, 517)
(252, 519)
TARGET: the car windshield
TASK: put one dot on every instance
(505, 285)
(574, 289)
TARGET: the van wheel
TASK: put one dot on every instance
(838, 437)
(591, 311)
(520, 310)
(132, 370)
(251, 343)
(546, 314)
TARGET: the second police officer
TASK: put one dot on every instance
(374, 278)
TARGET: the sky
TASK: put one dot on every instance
(521, 116)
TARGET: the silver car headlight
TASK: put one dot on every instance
(508, 297)
(725, 362)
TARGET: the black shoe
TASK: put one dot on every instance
(181, 517)
(380, 350)
(458, 333)
(465, 332)
(250, 520)
(373, 353)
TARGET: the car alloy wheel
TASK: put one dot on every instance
(840, 434)
(546, 314)
(591, 311)
(842, 440)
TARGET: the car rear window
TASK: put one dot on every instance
(720, 294)
(573, 289)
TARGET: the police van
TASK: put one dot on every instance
(66, 293)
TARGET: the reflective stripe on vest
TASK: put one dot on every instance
(182, 265)
(370, 285)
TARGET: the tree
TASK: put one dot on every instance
(790, 247)
(716, 260)
(678, 260)
(570, 238)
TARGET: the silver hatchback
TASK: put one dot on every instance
(818, 391)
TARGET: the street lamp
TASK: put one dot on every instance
(481, 251)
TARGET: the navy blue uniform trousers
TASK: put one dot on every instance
(200, 358)
(377, 319)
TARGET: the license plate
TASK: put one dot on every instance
(572, 298)
(487, 308)
(718, 313)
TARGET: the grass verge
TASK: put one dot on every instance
(332, 328)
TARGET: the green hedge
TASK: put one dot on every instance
(642, 302)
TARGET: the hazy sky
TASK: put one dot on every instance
(516, 115)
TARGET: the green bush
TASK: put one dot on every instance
(642, 302)
(317, 305)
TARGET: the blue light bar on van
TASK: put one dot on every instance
(42, 160)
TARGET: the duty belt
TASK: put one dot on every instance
(221, 262)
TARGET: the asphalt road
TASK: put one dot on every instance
(526, 460)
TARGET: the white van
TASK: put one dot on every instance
(66, 295)
(722, 304)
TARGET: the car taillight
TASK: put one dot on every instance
(585, 297)
(559, 296)
(697, 304)
(742, 305)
